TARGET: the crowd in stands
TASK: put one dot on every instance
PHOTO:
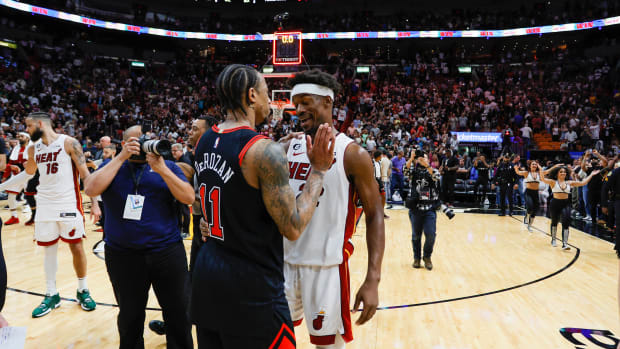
(417, 103)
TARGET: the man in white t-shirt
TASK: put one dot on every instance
(386, 174)
(526, 134)
(371, 144)
(571, 137)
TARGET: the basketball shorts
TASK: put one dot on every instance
(321, 295)
(16, 189)
(71, 231)
(277, 333)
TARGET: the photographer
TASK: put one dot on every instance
(143, 244)
(423, 204)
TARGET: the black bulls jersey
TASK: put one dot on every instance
(239, 268)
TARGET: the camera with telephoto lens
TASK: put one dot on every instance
(155, 146)
(158, 147)
(447, 211)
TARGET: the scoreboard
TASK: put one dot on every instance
(287, 48)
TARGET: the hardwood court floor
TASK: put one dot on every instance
(474, 254)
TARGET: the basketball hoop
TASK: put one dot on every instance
(277, 110)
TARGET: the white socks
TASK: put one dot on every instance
(13, 204)
(82, 284)
(51, 266)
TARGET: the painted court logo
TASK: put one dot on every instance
(317, 323)
(584, 338)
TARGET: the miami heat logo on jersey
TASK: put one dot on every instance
(317, 322)
(301, 170)
(50, 159)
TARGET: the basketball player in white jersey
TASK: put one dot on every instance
(60, 161)
(17, 159)
(316, 265)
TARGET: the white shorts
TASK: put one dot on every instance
(47, 233)
(322, 295)
(16, 189)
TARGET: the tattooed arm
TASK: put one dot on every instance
(265, 167)
(74, 149)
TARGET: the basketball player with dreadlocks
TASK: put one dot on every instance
(238, 298)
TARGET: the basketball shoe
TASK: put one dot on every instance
(30, 221)
(49, 303)
(12, 220)
(85, 300)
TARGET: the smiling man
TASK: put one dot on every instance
(316, 265)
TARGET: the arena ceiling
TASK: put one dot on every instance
(266, 7)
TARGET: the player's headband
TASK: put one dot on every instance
(25, 134)
(312, 89)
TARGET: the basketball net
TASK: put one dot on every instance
(277, 110)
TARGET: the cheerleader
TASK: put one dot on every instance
(560, 205)
(532, 185)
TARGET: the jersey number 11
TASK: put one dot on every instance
(215, 223)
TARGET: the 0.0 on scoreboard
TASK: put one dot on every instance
(287, 48)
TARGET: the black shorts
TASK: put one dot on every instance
(279, 334)
(237, 303)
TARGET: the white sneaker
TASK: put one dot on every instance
(99, 247)
(588, 219)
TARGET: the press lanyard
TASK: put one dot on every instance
(136, 181)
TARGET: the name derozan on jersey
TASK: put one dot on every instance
(211, 161)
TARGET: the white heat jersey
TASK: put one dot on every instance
(18, 155)
(58, 194)
(333, 222)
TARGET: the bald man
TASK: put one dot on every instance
(104, 142)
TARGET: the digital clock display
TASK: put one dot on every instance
(287, 48)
